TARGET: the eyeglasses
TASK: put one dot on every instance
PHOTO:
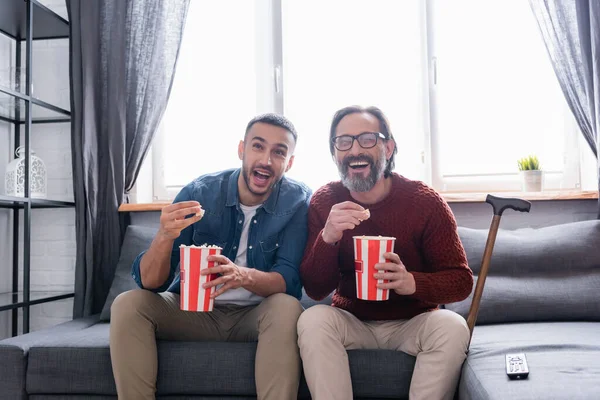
(366, 140)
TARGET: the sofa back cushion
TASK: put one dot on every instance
(137, 239)
(543, 274)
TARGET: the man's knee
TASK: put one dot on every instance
(281, 303)
(316, 319)
(282, 312)
(128, 304)
(449, 327)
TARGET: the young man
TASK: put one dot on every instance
(427, 267)
(259, 218)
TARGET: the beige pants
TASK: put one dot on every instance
(139, 317)
(439, 339)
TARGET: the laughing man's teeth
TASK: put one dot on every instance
(358, 164)
(263, 174)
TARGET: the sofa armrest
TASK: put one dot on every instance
(13, 355)
(13, 364)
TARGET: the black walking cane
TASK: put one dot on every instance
(499, 204)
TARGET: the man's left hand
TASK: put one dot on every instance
(232, 276)
(400, 280)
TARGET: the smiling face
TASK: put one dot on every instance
(361, 168)
(266, 154)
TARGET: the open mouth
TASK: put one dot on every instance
(358, 165)
(261, 177)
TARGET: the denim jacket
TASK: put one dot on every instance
(276, 238)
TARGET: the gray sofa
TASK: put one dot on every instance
(541, 298)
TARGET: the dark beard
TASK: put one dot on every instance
(357, 183)
(246, 175)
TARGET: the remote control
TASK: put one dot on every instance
(516, 366)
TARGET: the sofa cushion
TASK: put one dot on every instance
(226, 368)
(87, 356)
(88, 397)
(137, 239)
(545, 274)
(563, 359)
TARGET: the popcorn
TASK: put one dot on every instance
(204, 246)
(379, 237)
(367, 215)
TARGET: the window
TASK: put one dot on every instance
(365, 57)
(496, 99)
(214, 94)
(465, 95)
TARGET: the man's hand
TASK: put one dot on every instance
(342, 217)
(232, 276)
(155, 264)
(400, 280)
(173, 221)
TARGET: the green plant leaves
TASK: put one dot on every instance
(528, 163)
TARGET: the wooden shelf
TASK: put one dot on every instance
(143, 207)
(530, 196)
(449, 197)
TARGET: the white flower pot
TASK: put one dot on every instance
(532, 180)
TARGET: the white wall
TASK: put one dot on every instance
(542, 213)
(53, 230)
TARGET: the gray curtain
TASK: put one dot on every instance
(571, 31)
(123, 55)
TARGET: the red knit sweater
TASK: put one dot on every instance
(426, 241)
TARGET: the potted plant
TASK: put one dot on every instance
(531, 173)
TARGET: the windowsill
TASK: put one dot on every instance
(531, 196)
(135, 207)
(449, 197)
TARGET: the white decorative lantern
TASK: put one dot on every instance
(15, 176)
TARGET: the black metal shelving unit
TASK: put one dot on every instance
(26, 21)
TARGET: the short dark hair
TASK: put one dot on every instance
(275, 120)
(384, 127)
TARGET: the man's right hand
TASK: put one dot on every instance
(343, 216)
(173, 221)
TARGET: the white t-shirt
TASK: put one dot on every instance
(241, 296)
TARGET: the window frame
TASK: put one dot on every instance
(271, 96)
(569, 178)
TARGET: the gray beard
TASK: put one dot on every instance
(359, 184)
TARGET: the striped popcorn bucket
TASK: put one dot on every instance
(193, 297)
(368, 251)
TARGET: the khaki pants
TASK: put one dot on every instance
(139, 317)
(438, 339)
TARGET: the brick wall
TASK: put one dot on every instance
(53, 230)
